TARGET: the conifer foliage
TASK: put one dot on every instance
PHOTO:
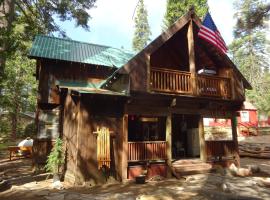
(250, 51)
(175, 9)
(142, 29)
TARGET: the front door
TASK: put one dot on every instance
(185, 136)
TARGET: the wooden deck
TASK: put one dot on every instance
(181, 82)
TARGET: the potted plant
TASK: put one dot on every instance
(56, 159)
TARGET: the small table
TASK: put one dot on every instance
(13, 150)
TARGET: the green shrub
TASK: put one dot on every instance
(56, 158)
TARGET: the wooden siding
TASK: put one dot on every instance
(50, 71)
(70, 131)
(82, 146)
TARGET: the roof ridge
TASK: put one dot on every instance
(88, 43)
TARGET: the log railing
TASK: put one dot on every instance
(214, 86)
(165, 80)
(146, 150)
(174, 81)
(220, 148)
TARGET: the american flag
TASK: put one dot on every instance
(210, 33)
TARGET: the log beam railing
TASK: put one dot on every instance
(146, 150)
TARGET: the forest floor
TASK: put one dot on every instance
(202, 186)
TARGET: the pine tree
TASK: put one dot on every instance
(142, 29)
(250, 54)
(176, 9)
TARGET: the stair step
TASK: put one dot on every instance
(189, 167)
(179, 169)
(187, 162)
(192, 165)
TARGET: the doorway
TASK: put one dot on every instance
(185, 136)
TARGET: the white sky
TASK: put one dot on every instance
(112, 23)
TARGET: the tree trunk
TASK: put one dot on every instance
(6, 19)
(14, 123)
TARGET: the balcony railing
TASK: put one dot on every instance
(173, 81)
(146, 150)
(170, 81)
(214, 86)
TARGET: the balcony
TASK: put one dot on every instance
(180, 82)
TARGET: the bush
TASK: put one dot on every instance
(56, 158)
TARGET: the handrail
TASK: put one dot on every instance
(171, 81)
(175, 81)
(169, 70)
(146, 150)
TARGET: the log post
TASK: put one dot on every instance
(232, 84)
(124, 150)
(191, 54)
(169, 144)
(203, 155)
(148, 74)
(235, 138)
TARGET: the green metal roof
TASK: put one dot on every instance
(75, 51)
(78, 84)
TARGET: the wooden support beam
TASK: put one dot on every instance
(235, 138)
(124, 150)
(169, 144)
(191, 54)
(202, 140)
(76, 166)
(148, 71)
(232, 84)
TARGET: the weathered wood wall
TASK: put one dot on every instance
(70, 134)
(49, 71)
(81, 121)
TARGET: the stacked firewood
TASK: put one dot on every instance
(256, 150)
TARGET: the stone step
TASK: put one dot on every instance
(189, 167)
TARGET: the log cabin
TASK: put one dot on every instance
(121, 114)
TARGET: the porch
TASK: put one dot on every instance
(150, 151)
(183, 82)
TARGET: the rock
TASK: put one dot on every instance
(254, 168)
(225, 187)
(57, 185)
(239, 171)
(243, 172)
(265, 182)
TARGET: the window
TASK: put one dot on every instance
(48, 123)
(217, 129)
(244, 116)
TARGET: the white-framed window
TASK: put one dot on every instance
(244, 116)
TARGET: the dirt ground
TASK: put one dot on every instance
(203, 186)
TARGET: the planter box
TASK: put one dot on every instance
(154, 169)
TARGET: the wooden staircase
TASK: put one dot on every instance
(190, 167)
